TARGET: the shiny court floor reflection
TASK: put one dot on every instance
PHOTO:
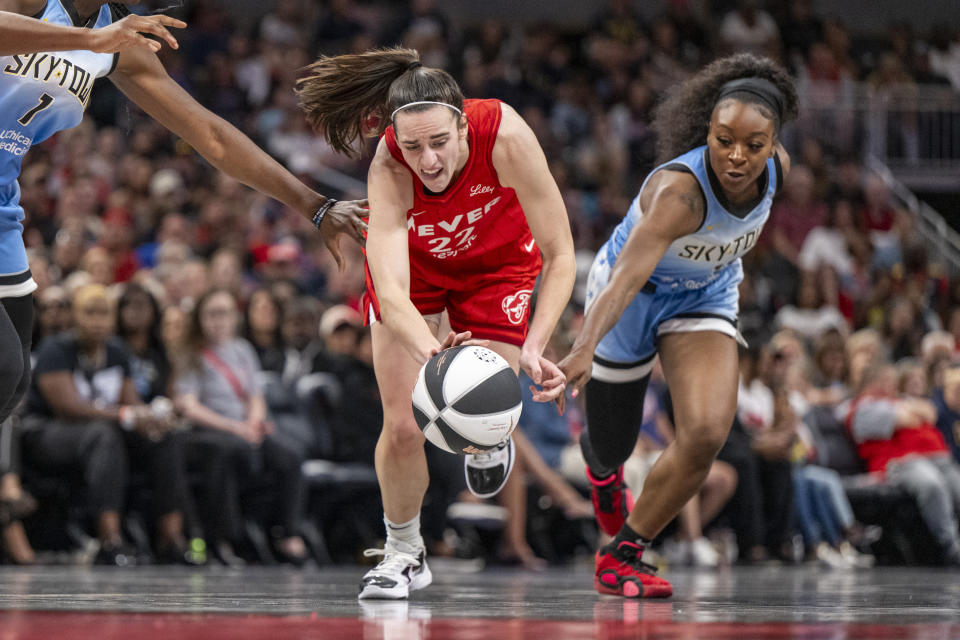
(782, 602)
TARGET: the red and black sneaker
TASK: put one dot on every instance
(612, 501)
(621, 572)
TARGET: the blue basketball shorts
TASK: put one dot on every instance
(627, 352)
(15, 279)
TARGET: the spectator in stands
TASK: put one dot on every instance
(84, 417)
(759, 449)
(138, 327)
(947, 401)
(336, 29)
(945, 54)
(863, 348)
(301, 338)
(896, 436)
(53, 313)
(620, 22)
(548, 437)
(262, 329)
(878, 218)
(912, 379)
(801, 28)
(830, 371)
(810, 315)
(795, 213)
(218, 389)
(821, 508)
(15, 502)
(936, 354)
(750, 29)
(829, 243)
(226, 272)
(903, 328)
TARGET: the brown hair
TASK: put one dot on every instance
(346, 96)
(189, 355)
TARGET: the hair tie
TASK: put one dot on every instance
(762, 88)
(413, 65)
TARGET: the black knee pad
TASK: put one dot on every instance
(614, 417)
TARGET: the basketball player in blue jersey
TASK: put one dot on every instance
(665, 283)
(51, 51)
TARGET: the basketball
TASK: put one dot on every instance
(467, 399)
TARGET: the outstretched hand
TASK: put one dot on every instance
(545, 375)
(576, 367)
(347, 218)
(128, 33)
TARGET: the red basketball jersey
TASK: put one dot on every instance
(475, 228)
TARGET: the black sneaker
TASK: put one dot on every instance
(487, 472)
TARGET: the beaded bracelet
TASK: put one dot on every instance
(322, 211)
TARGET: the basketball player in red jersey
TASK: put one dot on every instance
(462, 205)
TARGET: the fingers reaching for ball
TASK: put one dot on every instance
(455, 339)
(552, 381)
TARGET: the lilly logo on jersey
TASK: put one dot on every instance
(480, 189)
(515, 305)
(453, 235)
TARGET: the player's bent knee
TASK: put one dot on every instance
(702, 449)
(402, 435)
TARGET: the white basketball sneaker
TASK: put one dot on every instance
(402, 570)
(487, 472)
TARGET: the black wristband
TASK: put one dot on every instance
(322, 211)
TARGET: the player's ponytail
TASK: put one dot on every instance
(682, 120)
(349, 96)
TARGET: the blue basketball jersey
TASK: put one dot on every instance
(711, 253)
(40, 94)
(694, 283)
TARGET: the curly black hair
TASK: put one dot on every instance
(682, 120)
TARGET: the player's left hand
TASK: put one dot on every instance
(545, 375)
(344, 218)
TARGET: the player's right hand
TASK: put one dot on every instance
(345, 217)
(455, 339)
(128, 33)
(577, 367)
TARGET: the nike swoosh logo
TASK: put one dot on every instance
(528, 247)
(417, 213)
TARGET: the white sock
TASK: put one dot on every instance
(406, 533)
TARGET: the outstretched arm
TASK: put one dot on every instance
(673, 207)
(142, 78)
(20, 35)
(521, 165)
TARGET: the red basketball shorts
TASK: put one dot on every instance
(491, 307)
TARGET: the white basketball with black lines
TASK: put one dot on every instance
(467, 399)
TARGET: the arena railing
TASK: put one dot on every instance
(908, 134)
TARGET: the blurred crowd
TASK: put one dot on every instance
(195, 344)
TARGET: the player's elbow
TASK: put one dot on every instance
(209, 136)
